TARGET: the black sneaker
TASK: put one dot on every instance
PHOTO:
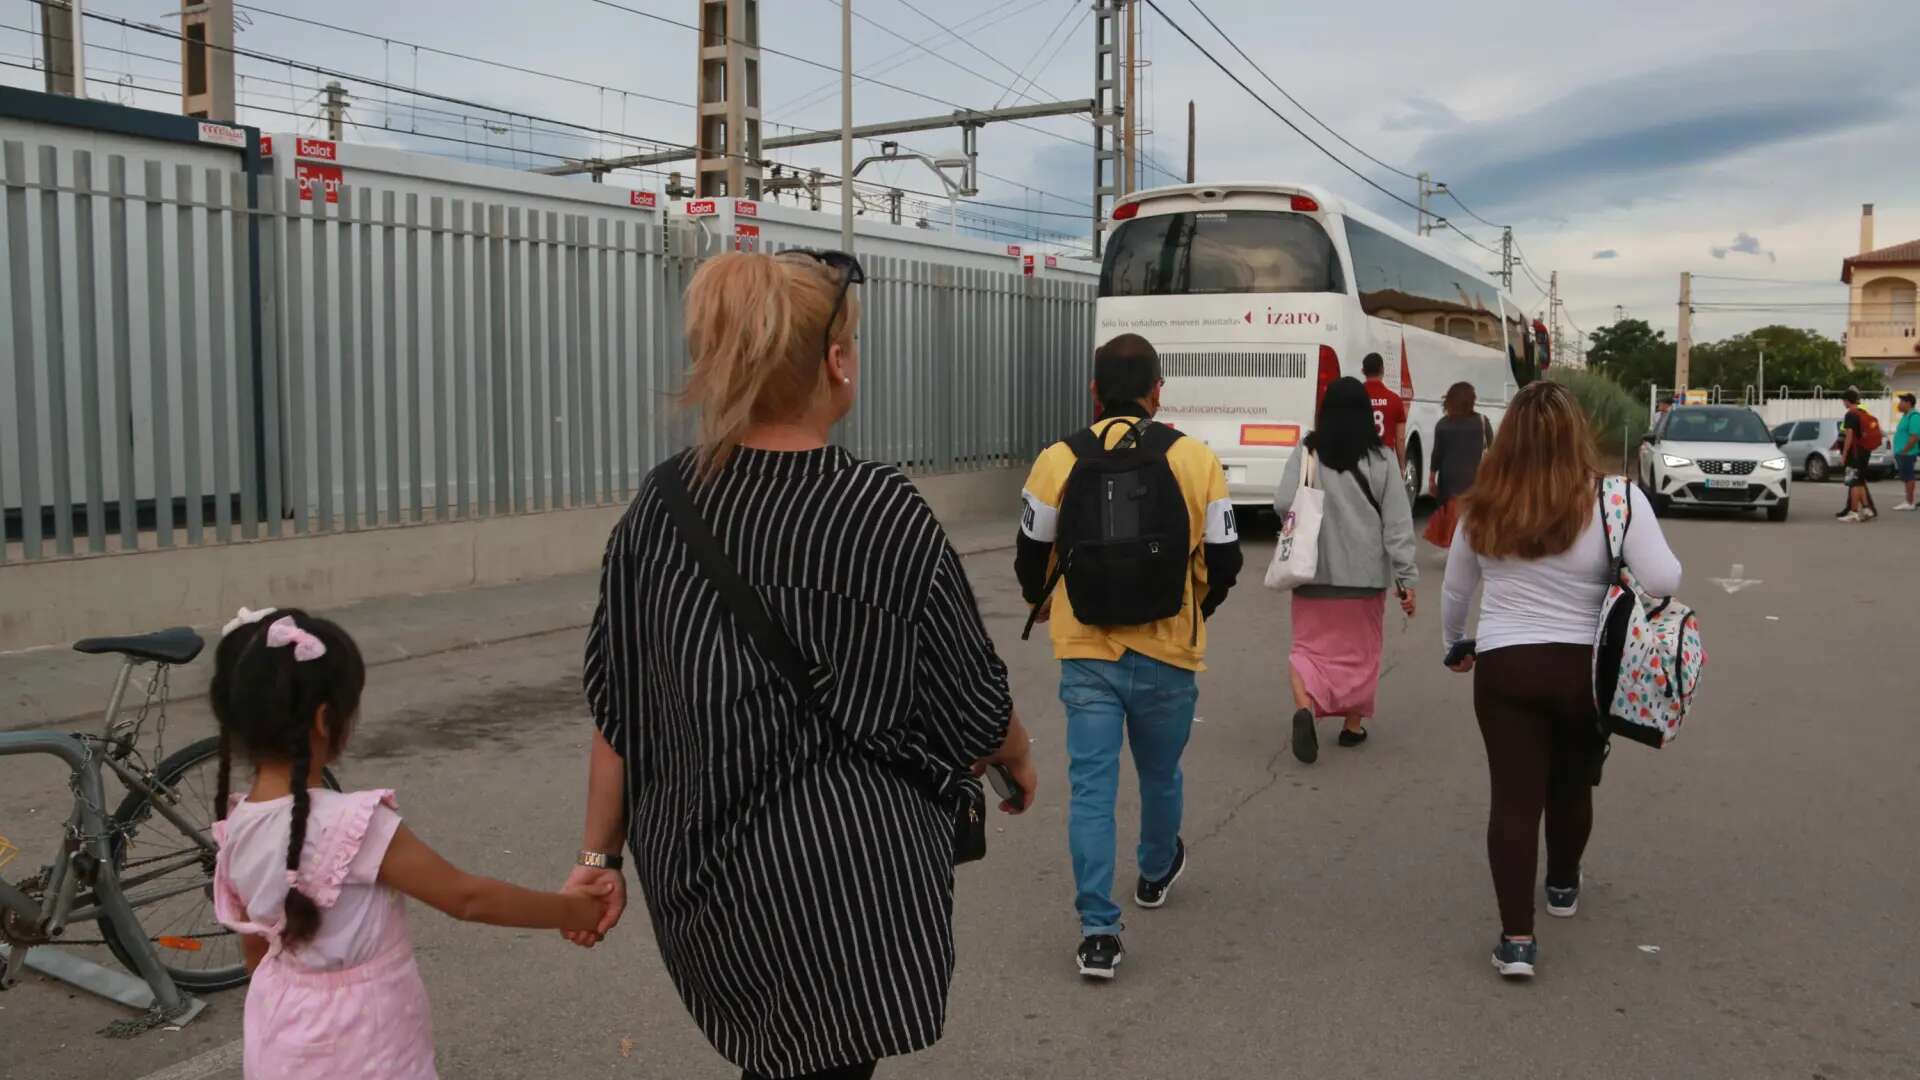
(1099, 955)
(1306, 745)
(1563, 903)
(1515, 959)
(1152, 894)
(1352, 738)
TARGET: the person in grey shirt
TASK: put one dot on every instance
(1461, 436)
(1365, 546)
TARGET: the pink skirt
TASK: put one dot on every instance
(1336, 651)
(369, 1022)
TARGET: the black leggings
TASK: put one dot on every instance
(1535, 706)
(844, 1072)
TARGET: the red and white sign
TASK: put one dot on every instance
(316, 150)
(645, 199)
(1053, 263)
(746, 237)
(266, 146)
(746, 208)
(1027, 265)
(223, 135)
(327, 178)
(701, 207)
(1013, 250)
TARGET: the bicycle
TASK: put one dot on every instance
(154, 854)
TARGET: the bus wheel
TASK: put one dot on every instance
(1410, 474)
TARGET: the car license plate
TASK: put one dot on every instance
(1730, 482)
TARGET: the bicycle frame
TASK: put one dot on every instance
(108, 899)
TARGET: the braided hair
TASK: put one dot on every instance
(266, 701)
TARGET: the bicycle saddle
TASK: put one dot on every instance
(177, 645)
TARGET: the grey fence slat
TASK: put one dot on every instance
(416, 409)
(540, 423)
(390, 353)
(194, 487)
(87, 297)
(497, 340)
(54, 304)
(219, 375)
(350, 388)
(622, 464)
(325, 397)
(245, 227)
(605, 297)
(436, 313)
(269, 402)
(161, 445)
(122, 408)
(295, 398)
(561, 466)
(580, 364)
(367, 366)
(516, 399)
(483, 346)
(26, 401)
(462, 465)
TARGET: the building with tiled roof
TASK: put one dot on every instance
(1884, 306)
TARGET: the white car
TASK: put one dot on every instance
(1717, 457)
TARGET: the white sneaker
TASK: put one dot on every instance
(1851, 519)
(1868, 513)
(1907, 506)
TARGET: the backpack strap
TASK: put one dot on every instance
(1616, 542)
(810, 682)
(1366, 489)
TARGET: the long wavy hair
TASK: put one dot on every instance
(1534, 492)
(1343, 431)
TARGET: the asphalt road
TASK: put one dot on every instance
(1750, 908)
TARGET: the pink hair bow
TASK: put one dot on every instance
(284, 631)
(245, 617)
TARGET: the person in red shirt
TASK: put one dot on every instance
(1389, 412)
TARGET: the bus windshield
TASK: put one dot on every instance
(1216, 252)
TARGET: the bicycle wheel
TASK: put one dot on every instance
(168, 875)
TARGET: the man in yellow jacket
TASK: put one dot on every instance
(1135, 521)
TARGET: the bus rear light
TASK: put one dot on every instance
(1125, 211)
(1305, 204)
(1269, 434)
(1329, 371)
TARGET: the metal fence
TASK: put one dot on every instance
(193, 358)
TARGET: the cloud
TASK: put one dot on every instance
(1420, 114)
(1744, 244)
(1606, 253)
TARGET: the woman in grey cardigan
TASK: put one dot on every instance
(1366, 545)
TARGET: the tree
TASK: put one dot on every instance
(1633, 354)
(1797, 359)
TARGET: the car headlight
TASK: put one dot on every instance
(1778, 463)
(1673, 462)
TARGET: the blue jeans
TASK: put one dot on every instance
(1150, 705)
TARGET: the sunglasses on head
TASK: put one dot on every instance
(851, 274)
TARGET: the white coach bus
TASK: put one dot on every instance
(1257, 296)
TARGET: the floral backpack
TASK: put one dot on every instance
(1647, 654)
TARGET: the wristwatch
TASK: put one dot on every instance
(600, 860)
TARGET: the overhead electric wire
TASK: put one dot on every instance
(1766, 281)
(897, 57)
(1085, 12)
(949, 61)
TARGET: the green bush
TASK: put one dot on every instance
(1618, 419)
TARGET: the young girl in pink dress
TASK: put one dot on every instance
(316, 880)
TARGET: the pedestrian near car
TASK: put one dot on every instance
(1535, 545)
(1127, 596)
(757, 811)
(1365, 548)
(1461, 436)
(1906, 448)
(1859, 437)
(1389, 408)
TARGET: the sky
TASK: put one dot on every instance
(1624, 143)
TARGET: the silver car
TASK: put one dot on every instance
(1810, 449)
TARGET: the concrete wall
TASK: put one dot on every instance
(56, 601)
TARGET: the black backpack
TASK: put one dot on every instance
(1125, 536)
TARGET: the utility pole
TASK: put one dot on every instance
(1683, 346)
(728, 91)
(1553, 316)
(1190, 173)
(336, 106)
(1619, 313)
(846, 126)
(1429, 220)
(1130, 112)
(1107, 112)
(1763, 375)
(206, 59)
(1421, 225)
(1506, 258)
(59, 47)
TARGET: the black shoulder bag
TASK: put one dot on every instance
(810, 682)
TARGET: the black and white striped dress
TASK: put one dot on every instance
(798, 874)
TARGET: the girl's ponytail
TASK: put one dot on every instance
(303, 915)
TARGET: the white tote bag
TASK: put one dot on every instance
(1296, 557)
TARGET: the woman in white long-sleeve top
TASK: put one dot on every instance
(1535, 540)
